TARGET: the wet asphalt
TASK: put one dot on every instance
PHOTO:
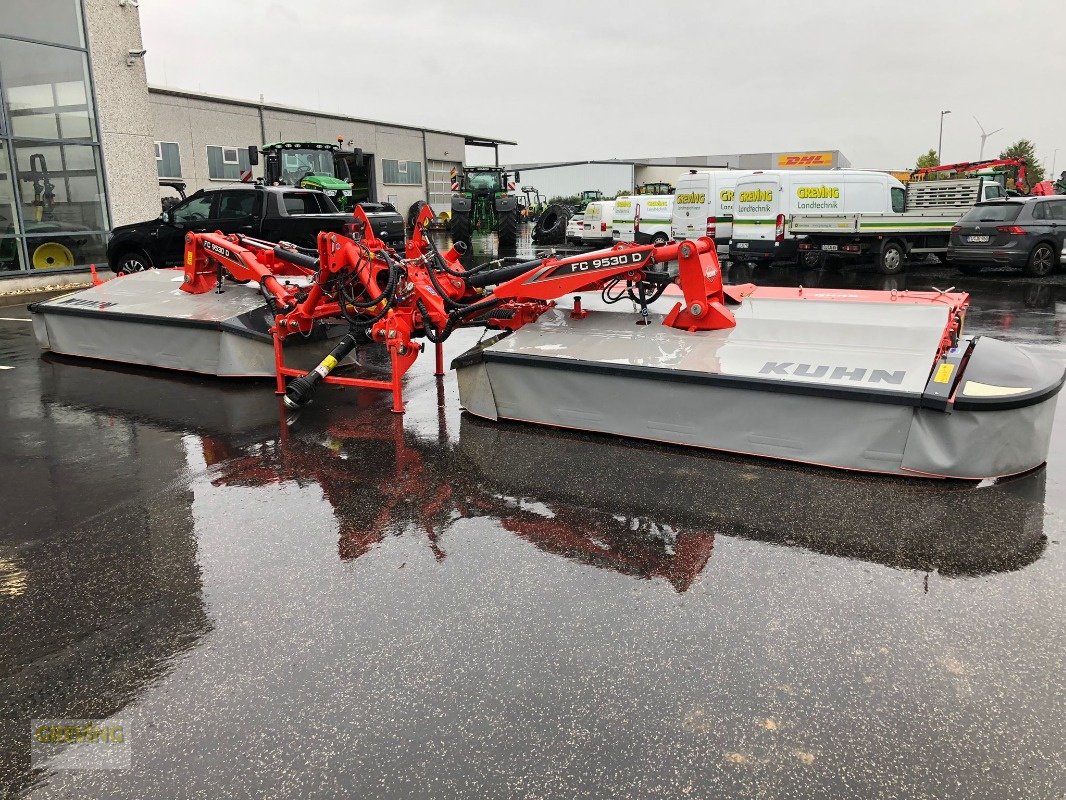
(357, 604)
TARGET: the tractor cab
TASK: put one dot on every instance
(655, 188)
(309, 165)
(488, 180)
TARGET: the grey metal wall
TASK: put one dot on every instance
(194, 122)
(573, 179)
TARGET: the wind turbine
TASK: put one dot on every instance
(984, 137)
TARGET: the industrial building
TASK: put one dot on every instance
(203, 139)
(84, 140)
(622, 175)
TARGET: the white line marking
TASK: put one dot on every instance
(14, 319)
(4, 367)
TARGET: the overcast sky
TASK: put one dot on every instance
(586, 79)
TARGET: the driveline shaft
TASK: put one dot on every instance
(299, 391)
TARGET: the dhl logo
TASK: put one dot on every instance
(726, 195)
(805, 160)
(693, 198)
(757, 196)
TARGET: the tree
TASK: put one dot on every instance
(1025, 149)
(930, 159)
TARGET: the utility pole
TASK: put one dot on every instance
(940, 141)
(984, 137)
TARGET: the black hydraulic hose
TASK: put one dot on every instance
(295, 258)
(475, 308)
(450, 304)
(298, 393)
(386, 294)
(496, 276)
(432, 333)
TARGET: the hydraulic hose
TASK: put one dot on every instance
(495, 276)
(295, 258)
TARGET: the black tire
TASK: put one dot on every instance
(551, 227)
(131, 261)
(460, 227)
(971, 269)
(1041, 261)
(412, 214)
(660, 239)
(507, 228)
(810, 259)
(892, 258)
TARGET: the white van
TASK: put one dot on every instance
(643, 218)
(596, 227)
(766, 201)
(703, 204)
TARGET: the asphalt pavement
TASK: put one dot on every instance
(351, 603)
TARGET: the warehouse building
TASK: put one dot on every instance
(612, 176)
(203, 140)
(84, 141)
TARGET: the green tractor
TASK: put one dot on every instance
(482, 205)
(586, 197)
(309, 165)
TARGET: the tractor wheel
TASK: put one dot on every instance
(551, 227)
(52, 255)
(507, 229)
(460, 227)
(412, 214)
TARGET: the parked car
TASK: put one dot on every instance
(574, 227)
(273, 213)
(1025, 232)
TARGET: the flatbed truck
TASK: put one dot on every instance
(921, 227)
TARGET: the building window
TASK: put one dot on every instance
(53, 201)
(403, 173)
(57, 21)
(167, 160)
(225, 163)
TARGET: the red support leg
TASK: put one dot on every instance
(440, 359)
(397, 386)
(279, 363)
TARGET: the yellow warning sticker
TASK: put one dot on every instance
(188, 258)
(943, 373)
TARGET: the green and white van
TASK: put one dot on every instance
(767, 200)
(703, 205)
(643, 218)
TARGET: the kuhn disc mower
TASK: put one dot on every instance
(877, 381)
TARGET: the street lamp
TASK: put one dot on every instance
(940, 141)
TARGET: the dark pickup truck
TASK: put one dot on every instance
(273, 213)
